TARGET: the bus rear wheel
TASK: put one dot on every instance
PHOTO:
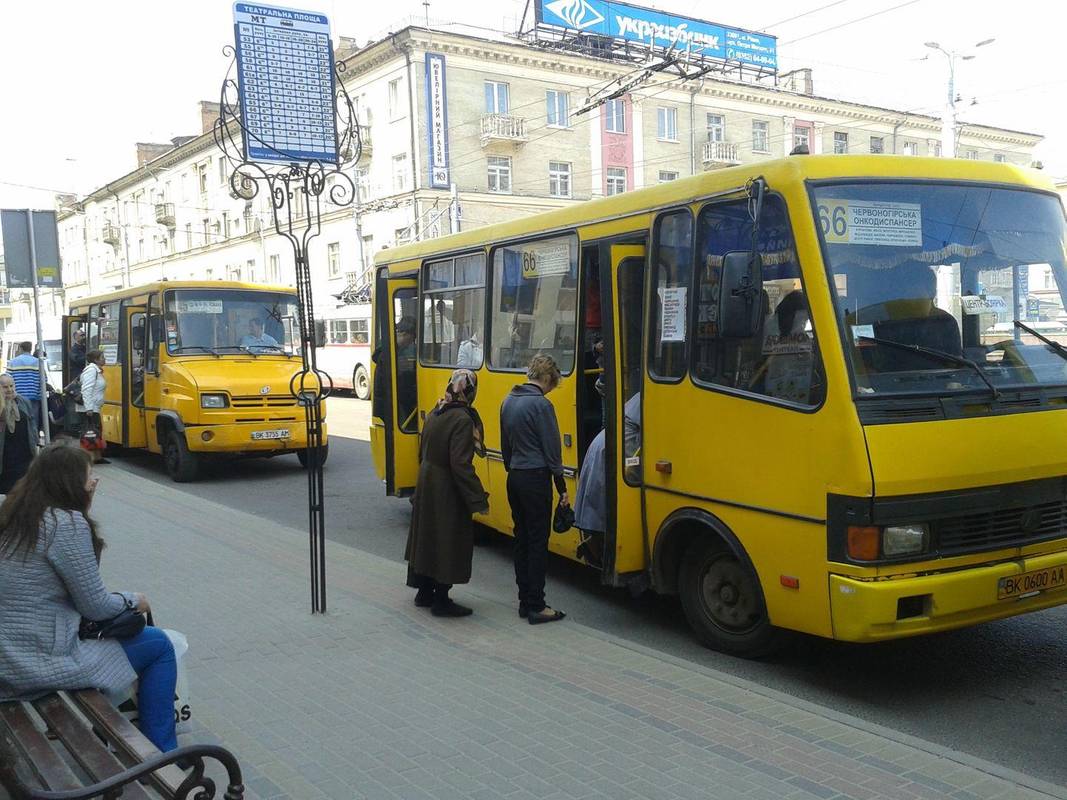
(182, 465)
(723, 603)
(361, 383)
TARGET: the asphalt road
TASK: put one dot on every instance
(995, 691)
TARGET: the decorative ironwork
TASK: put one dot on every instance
(297, 192)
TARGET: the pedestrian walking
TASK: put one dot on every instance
(50, 579)
(92, 385)
(441, 538)
(533, 458)
(18, 440)
(25, 368)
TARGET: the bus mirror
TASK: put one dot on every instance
(740, 299)
(320, 333)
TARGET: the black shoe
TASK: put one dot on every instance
(103, 461)
(450, 608)
(524, 612)
(544, 615)
(424, 598)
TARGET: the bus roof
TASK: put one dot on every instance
(781, 170)
(157, 286)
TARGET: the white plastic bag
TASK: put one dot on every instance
(183, 714)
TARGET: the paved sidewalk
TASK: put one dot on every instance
(379, 699)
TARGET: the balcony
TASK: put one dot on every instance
(111, 234)
(720, 154)
(365, 142)
(165, 214)
(503, 128)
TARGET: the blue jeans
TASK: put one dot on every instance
(152, 656)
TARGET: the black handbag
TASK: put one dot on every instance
(562, 518)
(125, 625)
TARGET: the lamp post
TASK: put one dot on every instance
(948, 120)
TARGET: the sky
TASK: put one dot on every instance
(82, 82)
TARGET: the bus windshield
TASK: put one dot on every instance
(946, 288)
(219, 321)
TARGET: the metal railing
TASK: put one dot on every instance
(720, 153)
(503, 127)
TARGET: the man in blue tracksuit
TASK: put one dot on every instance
(530, 444)
(25, 368)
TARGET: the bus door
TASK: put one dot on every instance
(133, 376)
(394, 412)
(624, 549)
(72, 324)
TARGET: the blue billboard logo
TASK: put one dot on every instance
(578, 14)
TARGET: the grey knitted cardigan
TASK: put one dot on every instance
(42, 599)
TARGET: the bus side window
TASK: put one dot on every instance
(155, 326)
(672, 259)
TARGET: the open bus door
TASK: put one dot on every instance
(133, 377)
(72, 324)
(625, 549)
(395, 408)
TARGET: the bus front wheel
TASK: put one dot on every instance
(182, 465)
(361, 383)
(723, 603)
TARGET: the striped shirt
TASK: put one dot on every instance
(25, 369)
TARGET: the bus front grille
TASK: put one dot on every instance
(263, 401)
(1010, 527)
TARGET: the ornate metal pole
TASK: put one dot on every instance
(297, 190)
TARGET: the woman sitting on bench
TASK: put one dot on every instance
(50, 580)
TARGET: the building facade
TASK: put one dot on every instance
(499, 137)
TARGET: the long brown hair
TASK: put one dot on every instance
(55, 480)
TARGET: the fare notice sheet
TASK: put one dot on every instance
(286, 84)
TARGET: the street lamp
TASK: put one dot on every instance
(948, 121)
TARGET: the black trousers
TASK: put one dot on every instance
(530, 497)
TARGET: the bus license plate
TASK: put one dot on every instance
(1030, 583)
(281, 433)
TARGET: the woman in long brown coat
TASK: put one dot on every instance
(441, 540)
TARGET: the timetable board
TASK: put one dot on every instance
(285, 83)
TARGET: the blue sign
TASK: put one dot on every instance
(623, 21)
(285, 79)
(437, 121)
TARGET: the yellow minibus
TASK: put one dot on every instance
(834, 387)
(196, 370)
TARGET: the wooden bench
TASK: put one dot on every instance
(54, 749)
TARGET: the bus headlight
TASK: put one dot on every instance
(903, 540)
(213, 401)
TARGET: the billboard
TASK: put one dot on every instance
(17, 254)
(633, 24)
(437, 120)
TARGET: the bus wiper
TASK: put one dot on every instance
(239, 347)
(952, 358)
(1057, 348)
(197, 347)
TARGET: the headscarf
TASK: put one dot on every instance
(460, 393)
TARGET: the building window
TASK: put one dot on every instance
(185, 185)
(666, 176)
(453, 312)
(362, 181)
(559, 179)
(223, 172)
(207, 231)
(250, 266)
(667, 124)
(499, 174)
(615, 115)
(972, 155)
(201, 175)
(911, 149)
(496, 97)
(402, 235)
(368, 252)
(1000, 158)
(840, 142)
(274, 269)
(395, 108)
(877, 144)
(400, 172)
(761, 140)
(533, 310)
(616, 180)
(333, 258)
(188, 236)
(802, 138)
(937, 149)
(558, 112)
(225, 225)
(716, 128)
